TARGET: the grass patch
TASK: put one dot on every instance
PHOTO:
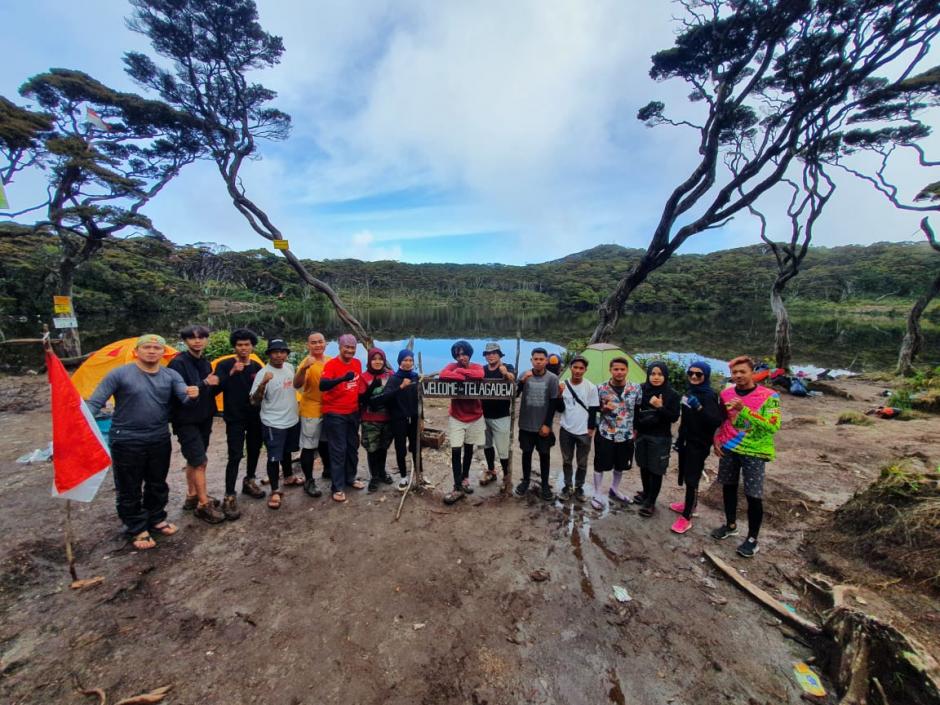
(853, 418)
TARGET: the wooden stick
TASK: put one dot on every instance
(69, 555)
(763, 596)
(507, 481)
(14, 341)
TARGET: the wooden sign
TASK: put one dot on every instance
(65, 322)
(471, 389)
(281, 245)
(62, 305)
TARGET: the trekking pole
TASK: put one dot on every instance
(507, 481)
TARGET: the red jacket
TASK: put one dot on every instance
(466, 410)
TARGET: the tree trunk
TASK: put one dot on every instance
(913, 341)
(71, 341)
(782, 352)
(608, 313)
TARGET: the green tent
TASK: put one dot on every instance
(599, 356)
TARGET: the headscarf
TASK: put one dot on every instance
(649, 391)
(702, 390)
(347, 339)
(372, 353)
(400, 373)
(461, 345)
(147, 338)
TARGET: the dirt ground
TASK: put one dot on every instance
(327, 603)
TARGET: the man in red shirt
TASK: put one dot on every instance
(339, 383)
(466, 427)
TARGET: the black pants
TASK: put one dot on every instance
(140, 471)
(342, 436)
(405, 432)
(691, 465)
(239, 435)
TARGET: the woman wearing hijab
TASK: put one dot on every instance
(376, 420)
(701, 417)
(401, 399)
(656, 411)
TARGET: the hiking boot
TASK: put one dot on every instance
(373, 484)
(465, 487)
(310, 487)
(647, 510)
(579, 494)
(250, 488)
(191, 502)
(230, 507)
(387, 479)
(567, 492)
(748, 548)
(681, 525)
(453, 497)
(522, 489)
(546, 493)
(403, 483)
(210, 513)
(724, 531)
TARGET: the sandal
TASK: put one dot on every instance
(486, 477)
(165, 528)
(274, 501)
(358, 485)
(143, 541)
(339, 497)
(293, 480)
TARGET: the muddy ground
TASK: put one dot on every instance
(327, 603)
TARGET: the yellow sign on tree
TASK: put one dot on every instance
(281, 245)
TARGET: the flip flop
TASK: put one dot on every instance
(274, 501)
(339, 497)
(143, 541)
(358, 485)
(165, 528)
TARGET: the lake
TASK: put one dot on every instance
(853, 343)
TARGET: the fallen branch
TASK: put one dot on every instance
(154, 696)
(763, 596)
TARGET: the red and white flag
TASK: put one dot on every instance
(80, 455)
(94, 119)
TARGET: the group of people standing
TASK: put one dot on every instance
(328, 406)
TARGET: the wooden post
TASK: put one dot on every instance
(507, 481)
(69, 554)
(419, 464)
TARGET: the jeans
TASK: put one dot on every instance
(569, 442)
(137, 464)
(240, 434)
(342, 437)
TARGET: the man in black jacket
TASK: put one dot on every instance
(192, 423)
(242, 422)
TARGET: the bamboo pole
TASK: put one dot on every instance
(507, 481)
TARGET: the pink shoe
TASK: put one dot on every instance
(681, 525)
(677, 507)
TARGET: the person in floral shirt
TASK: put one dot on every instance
(613, 441)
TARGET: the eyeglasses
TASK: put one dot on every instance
(696, 374)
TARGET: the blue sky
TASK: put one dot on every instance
(442, 132)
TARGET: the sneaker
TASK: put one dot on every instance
(250, 487)
(403, 483)
(579, 494)
(387, 479)
(209, 513)
(679, 508)
(521, 490)
(724, 531)
(681, 525)
(748, 548)
(567, 492)
(191, 502)
(622, 498)
(373, 484)
(230, 507)
(310, 487)
(466, 488)
(547, 493)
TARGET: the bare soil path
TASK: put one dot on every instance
(323, 603)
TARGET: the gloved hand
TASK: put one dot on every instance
(349, 376)
(693, 402)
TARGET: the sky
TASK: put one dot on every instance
(428, 131)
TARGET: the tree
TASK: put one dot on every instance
(213, 46)
(807, 202)
(21, 135)
(774, 80)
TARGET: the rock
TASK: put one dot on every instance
(539, 575)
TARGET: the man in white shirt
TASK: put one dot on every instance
(273, 390)
(579, 406)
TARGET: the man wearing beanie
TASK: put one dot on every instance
(465, 426)
(140, 438)
(340, 405)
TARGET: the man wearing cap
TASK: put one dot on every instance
(140, 438)
(307, 380)
(579, 406)
(466, 427)
(496, 415)
(273, 391)
(339, 383)
(192, 423)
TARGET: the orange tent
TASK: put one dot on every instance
(102, 361)
(218, 399)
